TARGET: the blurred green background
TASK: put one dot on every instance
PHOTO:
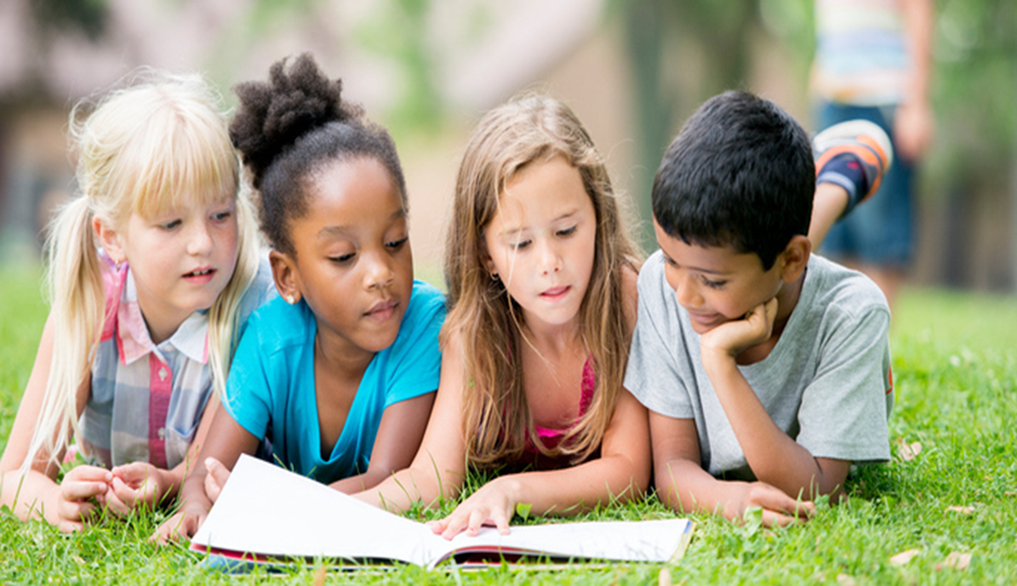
(632, 70)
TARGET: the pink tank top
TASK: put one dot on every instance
(551, 437)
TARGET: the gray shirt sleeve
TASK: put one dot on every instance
(654, 374)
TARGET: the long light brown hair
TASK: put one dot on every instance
(497, 421)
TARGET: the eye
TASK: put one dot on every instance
(343, 259)
(713, 284)
(566, 232)
(397, 244)
(221, 216)
(171, 224)
(519, 245)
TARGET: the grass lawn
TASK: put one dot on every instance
(954, 503)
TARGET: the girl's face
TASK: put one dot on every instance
(353, 264)
(541, 242)
(181, 260)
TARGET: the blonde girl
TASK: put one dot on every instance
(151, 270)
(542, 290)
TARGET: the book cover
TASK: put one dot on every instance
(268, 513)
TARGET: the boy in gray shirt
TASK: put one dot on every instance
(766, 370)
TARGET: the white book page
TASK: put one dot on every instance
(269, 511)
(634, 541)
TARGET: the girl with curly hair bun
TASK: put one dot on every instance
(542, 290)
(335, 378)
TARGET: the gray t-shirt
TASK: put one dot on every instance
(827, 382)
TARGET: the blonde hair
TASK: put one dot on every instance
(497, 422)
(158, 144)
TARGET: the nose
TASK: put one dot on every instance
(200, 241)
(378, 270)
(687, 291)
(550, 258)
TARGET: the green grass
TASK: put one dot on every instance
(955, 362)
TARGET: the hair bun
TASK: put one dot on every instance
(274, 115)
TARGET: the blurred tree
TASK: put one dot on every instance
(398, 32)
(86, 16)
(681, 53)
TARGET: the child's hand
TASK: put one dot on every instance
(490, 505)
(215, 479)
(181, 526)
(138, 483)
(778, 508)
(736, 336)
(82, 487)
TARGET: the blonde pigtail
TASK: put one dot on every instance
(77, 309)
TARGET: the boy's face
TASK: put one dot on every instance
(716, 284)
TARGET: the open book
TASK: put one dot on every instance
(268, 513)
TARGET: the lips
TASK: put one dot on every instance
(555, 293)
(707, 319)
(382, 310)
(200, 275)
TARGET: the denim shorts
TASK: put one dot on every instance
(880, 231)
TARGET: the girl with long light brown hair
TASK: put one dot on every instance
(542, 294)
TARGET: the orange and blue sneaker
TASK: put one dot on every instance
(855, 155)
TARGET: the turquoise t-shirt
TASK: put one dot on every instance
(271, 391)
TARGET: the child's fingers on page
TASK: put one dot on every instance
(455, 523)
(501, 521)
(477, 519)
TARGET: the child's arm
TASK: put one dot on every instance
(774, 457)
(439, 467)
(683, 485)
(399, 433)
(828, 206)
(620, 474)
(225, 441)
(36, 493)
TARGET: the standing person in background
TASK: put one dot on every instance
(873, 61)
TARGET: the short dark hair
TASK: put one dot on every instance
(740, 173)
(290, 126)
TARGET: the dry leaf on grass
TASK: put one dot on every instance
(664, 578)
(961, 510)
(955, 561)
(906, 451)
(904, 557)
(845, 580)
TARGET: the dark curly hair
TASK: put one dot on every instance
(290, 126)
